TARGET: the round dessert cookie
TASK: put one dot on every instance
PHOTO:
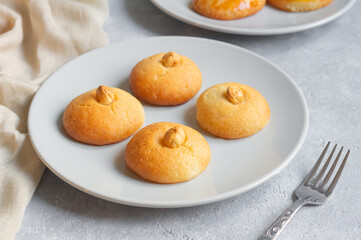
(167, 152)
(102, 116)
(299, 5)
(227, 9)
(165, 79)
(232, 110)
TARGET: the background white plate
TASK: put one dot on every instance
(268, 21)
(236, 165)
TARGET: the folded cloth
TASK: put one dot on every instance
(36, 38)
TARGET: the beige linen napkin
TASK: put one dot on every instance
(36, 38)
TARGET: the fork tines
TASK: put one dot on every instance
(320, 181)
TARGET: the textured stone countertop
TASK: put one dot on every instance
(326, 64)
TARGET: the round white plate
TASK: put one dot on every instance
(236, 166)
(268, 21)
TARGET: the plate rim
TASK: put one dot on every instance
(255, 32)
(184, 203)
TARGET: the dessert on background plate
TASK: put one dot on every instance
(166, 152)
(103, 116)
(165, 79)
(236, 9)
(227, 9)
(232, 110)
(299, 5)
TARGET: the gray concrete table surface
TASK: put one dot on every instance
(326, 64)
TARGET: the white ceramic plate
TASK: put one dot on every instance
(236, 165)
(268, 21)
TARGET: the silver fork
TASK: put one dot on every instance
(313, 191)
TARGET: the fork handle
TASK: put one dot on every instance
(276, 228)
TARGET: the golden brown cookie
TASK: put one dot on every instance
(299, 5)
(167, 152)
(165, 79)
(102, 116)
(227, 9)
(232, 110)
